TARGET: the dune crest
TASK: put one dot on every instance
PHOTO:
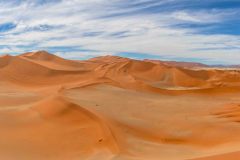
(116, 108)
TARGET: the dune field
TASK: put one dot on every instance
(114, 108)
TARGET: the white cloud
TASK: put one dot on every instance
(73, 20)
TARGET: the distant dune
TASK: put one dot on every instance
(178, 64)
(117, 108)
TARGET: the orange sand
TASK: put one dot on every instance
(114, 108)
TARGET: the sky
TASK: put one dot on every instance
(206, 31)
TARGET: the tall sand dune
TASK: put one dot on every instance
(17, 69)
(116, 108)
(52, 61)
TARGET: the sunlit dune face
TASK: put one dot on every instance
(116, 108)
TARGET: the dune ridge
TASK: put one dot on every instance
(122, 70)
(116, 108)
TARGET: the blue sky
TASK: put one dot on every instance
(205, 31)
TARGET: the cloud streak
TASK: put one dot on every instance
(177, 29)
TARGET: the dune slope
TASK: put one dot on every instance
(116, 108)
(54, 129)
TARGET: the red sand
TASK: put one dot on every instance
(116, 108)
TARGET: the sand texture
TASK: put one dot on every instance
(114, 108)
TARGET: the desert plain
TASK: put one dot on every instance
(115, 108)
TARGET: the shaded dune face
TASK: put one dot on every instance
(229, 112)
(115, 108)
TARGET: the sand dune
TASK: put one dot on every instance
(52, 61)
(53, 129)
(116, 108)
(17, 69)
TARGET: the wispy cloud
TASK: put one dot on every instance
(171, 28)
